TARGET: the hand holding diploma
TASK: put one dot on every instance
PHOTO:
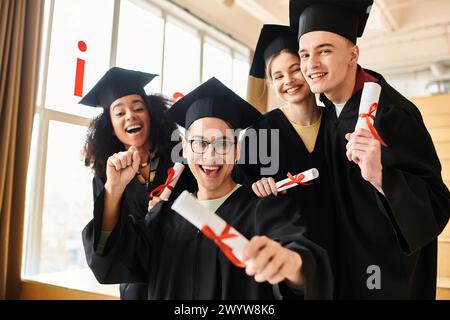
(263, 258)
(368, 109)
(364, 144)
(267, 186)
(298, 179)
(229, 240)
(267, 260)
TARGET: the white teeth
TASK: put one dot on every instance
(210, 168)
(133, 127)
(317, 75)
(292, 90)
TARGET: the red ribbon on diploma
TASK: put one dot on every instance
(372, 129)
(176, 96)
(169, 180)
(294, 179)
(227, 251)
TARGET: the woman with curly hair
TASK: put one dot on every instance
(131, 120)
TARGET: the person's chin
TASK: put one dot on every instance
(210, 186)
(317, 88)
(137, 143)
(297, 98)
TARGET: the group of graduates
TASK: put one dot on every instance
(379, 202)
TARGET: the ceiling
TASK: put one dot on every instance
(401, 35)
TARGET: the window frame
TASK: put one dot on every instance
(43, 116)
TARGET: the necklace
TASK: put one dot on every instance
(151, 170)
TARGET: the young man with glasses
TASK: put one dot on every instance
(177, 260)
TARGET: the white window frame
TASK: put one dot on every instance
(36, 186)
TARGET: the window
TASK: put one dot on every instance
(240, 75)
(140, 40)
(73, 21)
(66, 198)
(181, 67)
(217, 62)
(128, 33)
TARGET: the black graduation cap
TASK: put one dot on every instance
(114, 84)
(214, 99)
(347, 18)
(272, 39)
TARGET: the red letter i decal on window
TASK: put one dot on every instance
(79, 76)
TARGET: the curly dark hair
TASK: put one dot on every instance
(101, 142)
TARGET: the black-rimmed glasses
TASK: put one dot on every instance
(221, 146)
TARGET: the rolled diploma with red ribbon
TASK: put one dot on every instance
(308, 175)
(194, 212)
(370, 95)
(178, 168)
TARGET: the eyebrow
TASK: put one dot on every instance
(121, 104)
(290, 67)
(320, 46)
(197, 137)
(203, 138)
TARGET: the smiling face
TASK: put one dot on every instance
(287, 79)
(211, 169)
(131, 121)
(328, 63)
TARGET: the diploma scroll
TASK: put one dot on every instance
(295, 180)
(369, 97)
(178, 170)
(165, 190)
(368, 109)
(229, 240)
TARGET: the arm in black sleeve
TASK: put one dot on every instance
(280, 220)
(416, 199)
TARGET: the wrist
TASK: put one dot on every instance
(296, 279)
(378, 181)
(115, 191)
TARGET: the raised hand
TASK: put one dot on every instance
(121, 168)
(364, 150)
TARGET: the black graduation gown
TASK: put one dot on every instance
(313, 200)
(137, 198)
(179, 262)
(398, 232)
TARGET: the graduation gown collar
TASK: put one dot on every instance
(292, 135)
(362, 76)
